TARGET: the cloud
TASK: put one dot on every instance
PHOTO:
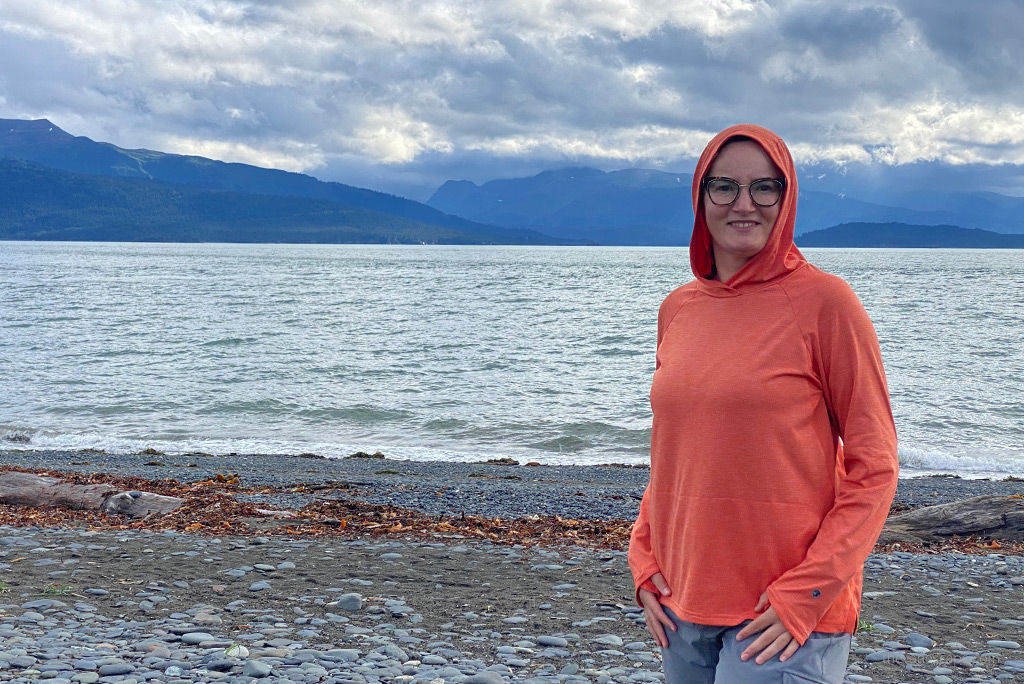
(980, 42)
(408, 93)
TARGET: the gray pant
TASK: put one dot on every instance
(703, 654)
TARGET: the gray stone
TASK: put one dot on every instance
(194, 638)
(484, 678)
(915, 639)
(255, 668)
(116, 669)
(350, 602)
(879, 656)
(344, 655)
(552, 641)
(206, 619)
(40, 604)
(394, 652)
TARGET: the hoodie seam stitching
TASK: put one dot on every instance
(679, 308)
(803, 336)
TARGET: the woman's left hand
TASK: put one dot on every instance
(774, 636)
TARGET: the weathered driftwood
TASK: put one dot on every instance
(26, 489)
(998, 517)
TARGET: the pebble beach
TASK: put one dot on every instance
(102, 605)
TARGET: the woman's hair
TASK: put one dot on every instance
(738, 138)
(735, 139)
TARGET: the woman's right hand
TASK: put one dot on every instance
(654, 615)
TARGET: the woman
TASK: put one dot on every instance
(773, 450)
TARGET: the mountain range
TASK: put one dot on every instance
(648, 207)
(172, 197)
(57, 186)
(901, 235)
(40, 203)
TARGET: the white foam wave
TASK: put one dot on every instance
(917, 461)
(49, 441)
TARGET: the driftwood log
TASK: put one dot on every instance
(997, 517)
(26, 489)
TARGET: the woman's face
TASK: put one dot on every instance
(741, 229)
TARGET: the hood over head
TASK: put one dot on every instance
(780, 256)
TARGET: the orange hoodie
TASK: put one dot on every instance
(773, 450)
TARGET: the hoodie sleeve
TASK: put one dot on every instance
(641, 555)
(845, 350)
(641, 552)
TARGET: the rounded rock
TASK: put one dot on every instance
(545, 640)
(915, 639)
(255, 668)
(484, 678)
(350, 602)
(116, 669)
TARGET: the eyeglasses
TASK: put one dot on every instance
(764, 191)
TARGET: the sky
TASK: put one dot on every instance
(402, 95)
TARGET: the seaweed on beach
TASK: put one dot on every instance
(379, 519)
(211, 508)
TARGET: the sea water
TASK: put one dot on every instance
(466, 353)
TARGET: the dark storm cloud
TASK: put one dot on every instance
(984, 42)
(841, 32)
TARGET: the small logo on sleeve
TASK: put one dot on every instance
(816, 593)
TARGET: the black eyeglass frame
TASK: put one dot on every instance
(780, 181)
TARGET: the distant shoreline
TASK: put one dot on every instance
(472, 245)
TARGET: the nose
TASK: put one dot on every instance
(744, 202)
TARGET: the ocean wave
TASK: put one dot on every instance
(31, 440)
(916, 461)
(584, 443)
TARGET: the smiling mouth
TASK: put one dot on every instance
(744, 224)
